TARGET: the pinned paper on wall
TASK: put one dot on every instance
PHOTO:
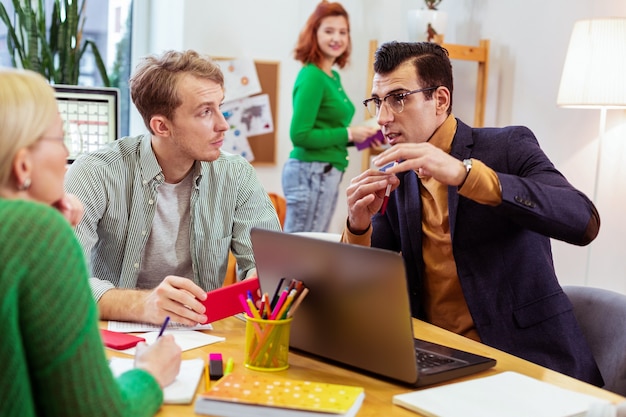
(246, 117)
(240, 78)
(236, 138)
(247, 112)
(236, 143)
(256, 115)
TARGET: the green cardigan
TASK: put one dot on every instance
(321, 114)
(53, 361)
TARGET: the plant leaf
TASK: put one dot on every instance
(99, 62)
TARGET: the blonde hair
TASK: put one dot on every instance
(27, 108)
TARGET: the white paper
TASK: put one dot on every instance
(132, 327)
(240, 78)
(186, 339)
(184, 387)
(507, 394)
(236, 142)
(257, 115)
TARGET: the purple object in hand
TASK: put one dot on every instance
(378, 136)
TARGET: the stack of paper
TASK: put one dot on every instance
(507, 394)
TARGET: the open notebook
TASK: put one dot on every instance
(181, 391)
(357, 311)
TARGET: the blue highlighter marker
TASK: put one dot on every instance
(386, 167)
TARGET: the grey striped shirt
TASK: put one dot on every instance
(118, 186)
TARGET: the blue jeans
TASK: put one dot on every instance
(311, 190)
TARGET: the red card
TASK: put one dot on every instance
(224, 302)
(120, 341)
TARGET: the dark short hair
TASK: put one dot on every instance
(431, 61)
(154, 85)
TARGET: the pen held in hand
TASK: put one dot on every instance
(383, 208)
(167, 320)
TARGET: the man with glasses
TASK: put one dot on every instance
(472, 211)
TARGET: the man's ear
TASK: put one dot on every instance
(160, 125)
(22, 166)
(442, 96)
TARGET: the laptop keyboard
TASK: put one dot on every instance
(428, 360)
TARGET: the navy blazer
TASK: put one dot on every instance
(503, 254)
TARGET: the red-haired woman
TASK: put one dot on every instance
(320, 126)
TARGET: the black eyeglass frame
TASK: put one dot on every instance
(398, 96)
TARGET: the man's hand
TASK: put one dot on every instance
(365, 196)
(176, 297)
(426, 160)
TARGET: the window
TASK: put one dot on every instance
(108, 23)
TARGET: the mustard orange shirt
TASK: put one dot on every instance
(445, 303)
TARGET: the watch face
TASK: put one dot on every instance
(468, 164)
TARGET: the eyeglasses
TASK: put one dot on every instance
(395, 101)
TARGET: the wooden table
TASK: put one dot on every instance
(378, 392)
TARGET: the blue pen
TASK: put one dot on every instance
(167, 320)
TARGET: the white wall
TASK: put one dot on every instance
(529, 39)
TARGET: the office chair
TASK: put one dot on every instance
(280, 204)
(601, 314)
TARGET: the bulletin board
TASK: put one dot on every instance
(264, 146)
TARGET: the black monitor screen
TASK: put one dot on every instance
(91, 116)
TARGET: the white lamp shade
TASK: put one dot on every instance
(594, 73)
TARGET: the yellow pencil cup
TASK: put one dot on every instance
(267, 344)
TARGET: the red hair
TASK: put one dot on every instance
(307, 50)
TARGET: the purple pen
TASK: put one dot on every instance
(167, 320)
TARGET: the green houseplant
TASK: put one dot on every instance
(50, 45)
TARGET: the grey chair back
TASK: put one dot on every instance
(601, 314)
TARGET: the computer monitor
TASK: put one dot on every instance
(91, 117)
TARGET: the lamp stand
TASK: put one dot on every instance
(596, 181)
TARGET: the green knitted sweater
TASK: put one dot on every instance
(52, 356)
(322, 112)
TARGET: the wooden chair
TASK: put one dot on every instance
(479, 54)
(280, 204)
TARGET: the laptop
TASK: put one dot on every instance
(357, 311)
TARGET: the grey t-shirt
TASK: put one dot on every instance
(167, 250)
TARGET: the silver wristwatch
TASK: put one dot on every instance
(468, 165)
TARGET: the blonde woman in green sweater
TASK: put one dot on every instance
(52, 356)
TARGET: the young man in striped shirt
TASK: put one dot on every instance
(162, 210)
